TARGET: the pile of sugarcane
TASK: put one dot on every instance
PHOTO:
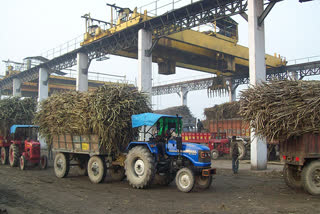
(282, 109)
(228, 110)
(183, 111)
(16, 111)
(105, 112)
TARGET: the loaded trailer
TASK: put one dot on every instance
(158, 156)
(302, 162)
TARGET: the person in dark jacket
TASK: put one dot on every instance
(235, 158)
(199, 126)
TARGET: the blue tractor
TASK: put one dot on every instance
(159, 156)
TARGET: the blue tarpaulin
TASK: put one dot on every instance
(147, 119)
(14, 127)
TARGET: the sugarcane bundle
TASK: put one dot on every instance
(281, 109)
(187, 118)
(105, 112)
(16, 111)
(228, 110)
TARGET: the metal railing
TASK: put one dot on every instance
(196, 77)
(303, 60)
(157, 7)
(64, 48)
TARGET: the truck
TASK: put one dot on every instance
(157, 156)
(235, 130)
(22, 147)
(301, 155)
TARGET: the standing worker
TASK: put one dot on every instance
(235, 158)
(199, 126)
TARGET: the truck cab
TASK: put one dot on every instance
(160, 156)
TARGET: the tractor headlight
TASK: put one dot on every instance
(204, 156)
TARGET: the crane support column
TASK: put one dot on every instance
(82, 72)
(43, 84)
(257, 74)
(16, 89)
(232, 90)
(145, 62)
(183, 96)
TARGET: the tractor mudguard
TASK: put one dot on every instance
(151, 146)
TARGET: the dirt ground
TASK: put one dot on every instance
(36, 191)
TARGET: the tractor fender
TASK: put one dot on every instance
(151, 146)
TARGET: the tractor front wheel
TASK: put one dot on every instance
(203, 182)
(96, 169)
(14, 155)
(4, 155)
(61, 165)
(23, 162)
(140, 167)
(214, 154)
(43, 162)
(185, 180)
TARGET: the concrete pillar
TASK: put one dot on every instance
(82, 72)
(257, 74)
(144, 63)
(16, 89)
(232, 90)
(43, 84)
(183, 96)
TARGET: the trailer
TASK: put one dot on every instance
(157, 156)
(302, 162)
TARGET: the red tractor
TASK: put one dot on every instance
(22, 146)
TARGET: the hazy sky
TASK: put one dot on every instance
(31, 27)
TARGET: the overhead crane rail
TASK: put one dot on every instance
(281, 73)
(177, 20)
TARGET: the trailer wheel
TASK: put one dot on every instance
(292, 176)
(14, 155)
(214, 154)
(140, 167)
(203, 182)
(185, 180)
(311, 177)
(43, 162)
(96, 169)
(23, 162)
(117, 173)
(163, 178)
(61, 165)
(4, 155)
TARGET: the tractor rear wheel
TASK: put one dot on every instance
(4, 155)
(292, 177)
(96, 169)
(185, 180)
(242, 150)
(23, 162)
(117, 173)
(203, 182)
(14, 155)
(43, 162)
(214, 154)
(61, 165)
(140, 167)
